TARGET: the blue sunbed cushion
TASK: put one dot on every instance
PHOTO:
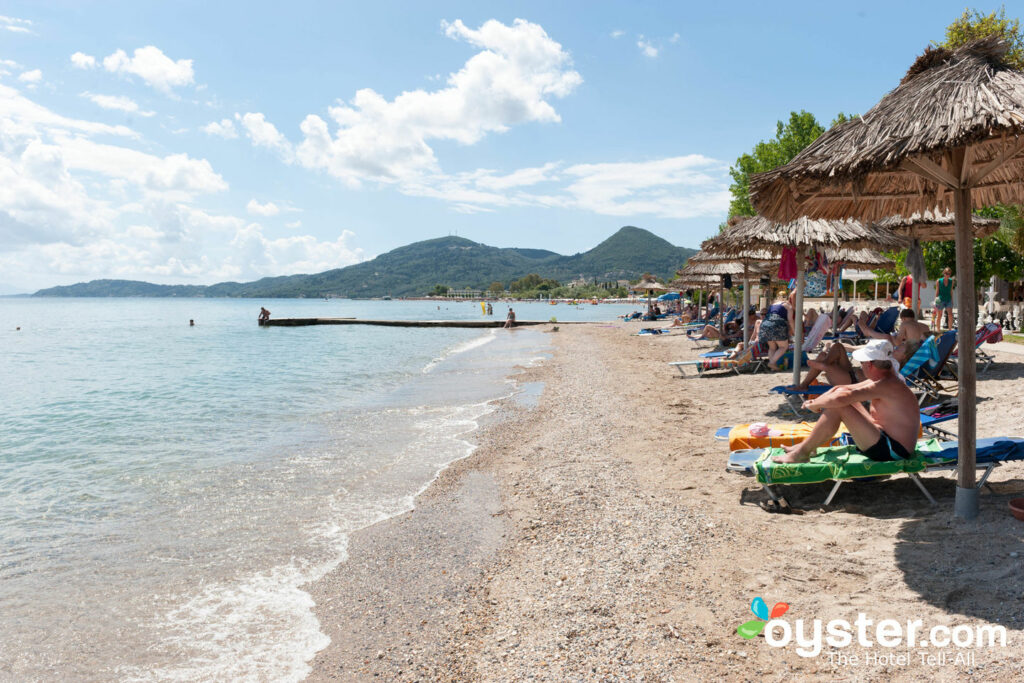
(812, 390)
(994, 449)
(722, 434)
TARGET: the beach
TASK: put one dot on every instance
(594, 534)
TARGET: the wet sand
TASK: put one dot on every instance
(597, 536)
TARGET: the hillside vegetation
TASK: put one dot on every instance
(417, 268)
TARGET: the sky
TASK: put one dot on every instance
(200, 142)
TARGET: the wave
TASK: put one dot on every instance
(469, 345)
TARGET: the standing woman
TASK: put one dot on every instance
(776, 327)
(943, 300)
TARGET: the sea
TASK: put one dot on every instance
(167, 490)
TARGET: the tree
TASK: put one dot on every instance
(496, 288)
(440, 290)
(974, 24)
(801, 130)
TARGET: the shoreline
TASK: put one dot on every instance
(596, 536)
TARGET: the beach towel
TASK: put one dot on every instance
(778, 435)
(838, 463)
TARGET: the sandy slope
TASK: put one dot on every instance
(598, 537)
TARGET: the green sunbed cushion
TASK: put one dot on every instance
(837, 462)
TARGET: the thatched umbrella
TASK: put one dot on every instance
(702, 263)
(854, 258)
(684, 280)
(804, 234)
(753, 260)
(931, 226)
(651, 286)
(949, 136)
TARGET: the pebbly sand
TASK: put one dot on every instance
(597, 536)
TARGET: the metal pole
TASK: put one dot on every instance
(835, 302)
(721, 310)
(966, 503)
(798, 317)
(746, 306)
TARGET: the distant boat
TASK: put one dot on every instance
(387, 297)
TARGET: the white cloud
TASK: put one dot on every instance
(75, 208)
(675, 187)
(293, 225)
(116, 102)
(675, 38)
(520, 178)
(154, 67)
(224, 128)
(617, 33)
(15, 25)
(262, 133)
(83, 61)
(254, 253)
(268, 209)
(646, 48)
(33, 76)
(26, 118)
(510, 81)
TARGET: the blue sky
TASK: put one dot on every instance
(196, 142)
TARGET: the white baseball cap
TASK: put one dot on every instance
(876, 349)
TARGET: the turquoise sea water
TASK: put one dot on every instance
(166, 490)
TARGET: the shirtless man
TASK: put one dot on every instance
(837, 366)
(888, 431)
(909, 338)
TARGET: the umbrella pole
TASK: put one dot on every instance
(746, 307)
(835, 303)
(966, 502)
(721, 310)
(798, 319)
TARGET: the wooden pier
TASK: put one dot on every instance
(302, 322)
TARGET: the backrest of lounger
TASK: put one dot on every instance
(928, 351)
(887, 321)
(817, 332)
(945, 345)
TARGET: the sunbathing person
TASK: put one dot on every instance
(888, 431)
(845, 319)
(908, 340)
(810, 316)
(732, 331)
(834, 361)
(867, 320)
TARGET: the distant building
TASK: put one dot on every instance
(578, 282)
(465, 294)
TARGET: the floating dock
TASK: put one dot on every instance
(302, 322)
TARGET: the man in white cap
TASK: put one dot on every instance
(888, 431)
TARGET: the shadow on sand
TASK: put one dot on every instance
(959, 567)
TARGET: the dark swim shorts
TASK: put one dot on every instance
(887, 449)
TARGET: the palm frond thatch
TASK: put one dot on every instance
(956, 120)
(652, 285)
(936, 226)
(760, 233)
(860, 258)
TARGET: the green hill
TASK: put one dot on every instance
(415, 268)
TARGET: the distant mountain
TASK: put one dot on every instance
(415, 268)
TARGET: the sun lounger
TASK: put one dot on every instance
(989, 333)
(750, 359)
(845, 463)
(783, 434)
(928, 352)
(928, 381)
(788, 434)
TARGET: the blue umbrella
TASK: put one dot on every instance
(669, 296)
